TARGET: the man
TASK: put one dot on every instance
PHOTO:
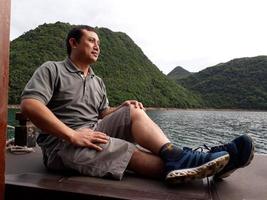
(80, 132)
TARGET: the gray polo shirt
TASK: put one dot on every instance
(76, 100)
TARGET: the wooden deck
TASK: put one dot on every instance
(26, 178)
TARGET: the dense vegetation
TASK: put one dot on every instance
(239, 83)
(178, 73)
(126, 71)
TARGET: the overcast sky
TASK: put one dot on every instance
(194, 34)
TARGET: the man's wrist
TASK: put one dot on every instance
(70, 136)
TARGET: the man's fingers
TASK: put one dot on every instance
(141, 105)
(100, 141)
(128, 103)
(101, 135)
(94, 146)
(134, 102)
(138, 105)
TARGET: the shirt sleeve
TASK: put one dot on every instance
(105, 103)
(42, 83)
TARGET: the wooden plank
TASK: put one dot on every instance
(4, 66)
(26, 174)
(131, 187)
(246, 183)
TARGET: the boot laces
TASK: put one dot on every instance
(204, 147)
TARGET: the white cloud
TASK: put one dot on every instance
(193, 34)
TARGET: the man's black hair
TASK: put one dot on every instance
(76, 33)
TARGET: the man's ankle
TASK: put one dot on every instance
(169, 152)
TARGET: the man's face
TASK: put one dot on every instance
(88, 48)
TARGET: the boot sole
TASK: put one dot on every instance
(205, 170)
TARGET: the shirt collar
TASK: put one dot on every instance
(92, 74)
(71, 67)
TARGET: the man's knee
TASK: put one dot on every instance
(136, 112)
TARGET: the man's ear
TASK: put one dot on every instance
(73, 43)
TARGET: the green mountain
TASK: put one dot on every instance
(126, 71)
(178, 73)
(239, 83)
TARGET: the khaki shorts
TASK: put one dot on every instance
(112, 161)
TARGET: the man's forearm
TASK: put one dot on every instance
(44, 119)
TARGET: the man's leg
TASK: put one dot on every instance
(120, 125)
(146, 164)
(177, 164)
(133, 125)
(145, 132)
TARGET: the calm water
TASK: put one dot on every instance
(193, 128)
(12, 122)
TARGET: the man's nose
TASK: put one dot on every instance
(96, 47)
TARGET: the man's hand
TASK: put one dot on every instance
(133, 102)
(125, 103)
(86, 137)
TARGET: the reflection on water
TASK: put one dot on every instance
(193, 128)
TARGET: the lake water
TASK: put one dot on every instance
(12, 122)
(194, 128)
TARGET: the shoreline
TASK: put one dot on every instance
(204, 109)
(184, 109)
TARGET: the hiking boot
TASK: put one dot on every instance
(190, 165)
(241, 151)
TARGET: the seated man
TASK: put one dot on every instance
(79, 131)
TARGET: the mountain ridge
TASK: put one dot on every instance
(240, 83)
(125, 69)
(129, 74)
(178, 73)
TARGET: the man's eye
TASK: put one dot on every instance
(93, 41)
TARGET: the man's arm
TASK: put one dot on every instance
(44, 119)
(110, 110)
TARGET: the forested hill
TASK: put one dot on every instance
(178, 73)
(126, 71)
(239, 83)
